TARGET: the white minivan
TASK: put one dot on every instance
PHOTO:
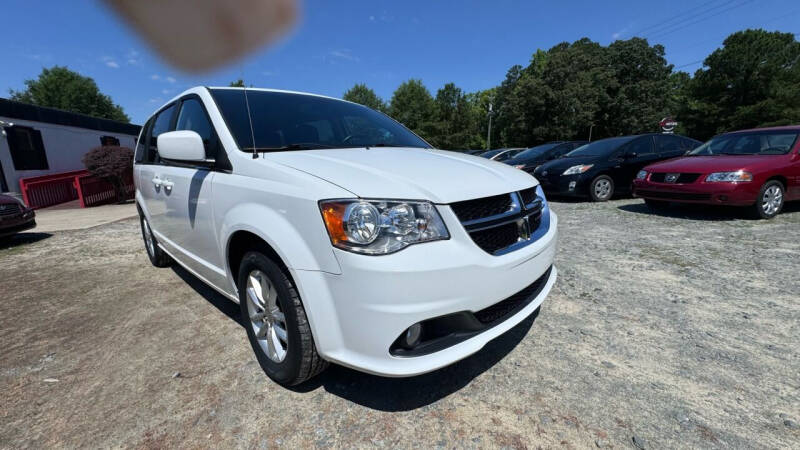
(343, 236)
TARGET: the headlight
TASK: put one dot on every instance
(574, 170)
(641, 175)
(730, 177)
(379, 227)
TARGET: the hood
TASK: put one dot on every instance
(539, 159)
(408, 173)
(719, 163)
(7, 200)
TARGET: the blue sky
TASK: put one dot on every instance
(379, 42)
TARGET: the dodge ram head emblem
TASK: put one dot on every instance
(671, 177)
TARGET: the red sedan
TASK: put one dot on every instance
(759, 169)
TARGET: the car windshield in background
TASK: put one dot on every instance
(535, 151)
(756, 143)
(600, 148)
(289, 121)
(491, 153)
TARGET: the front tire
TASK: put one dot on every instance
(769, 201)
(157, 256)
(276, 322)
(601, 189)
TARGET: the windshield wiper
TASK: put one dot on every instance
(290, 147)
(383, 144)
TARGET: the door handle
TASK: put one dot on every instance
(157, 182)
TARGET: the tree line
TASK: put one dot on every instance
(574, 90)
(571, 91)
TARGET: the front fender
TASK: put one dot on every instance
(302, 243)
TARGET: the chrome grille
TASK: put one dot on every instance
(499, 223)
(9, 209)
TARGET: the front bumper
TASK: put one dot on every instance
(10, 226)
(357, 315)
(735, 194)
(566, 185)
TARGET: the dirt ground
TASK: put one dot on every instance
(673, 330)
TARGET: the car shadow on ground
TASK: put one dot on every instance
(382, 393)
(22, 239)
(702, 212)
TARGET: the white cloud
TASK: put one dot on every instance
(112, 64)
(343, 55)
(372, 18)
(621, 33)
(156, 100)
(133, 58)
(155, 77)
(166, 91)
(170, 79)
(267, 73)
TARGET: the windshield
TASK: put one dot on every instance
(288, 121)
(539, 150)
(600, 148)
(755, 143)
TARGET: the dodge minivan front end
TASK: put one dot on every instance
(487, 267)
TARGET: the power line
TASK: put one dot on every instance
(666, 23)
(689, 64)
(760, 25)
(698, 20)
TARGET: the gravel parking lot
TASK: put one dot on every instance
(673, 330)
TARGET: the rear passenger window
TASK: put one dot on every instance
(641, 146)
(667, 143)
(160, 125)
(193, 117)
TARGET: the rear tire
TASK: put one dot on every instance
(601, 189)
(656, 205)
(276, 322)
(157, 256)
(769, 202)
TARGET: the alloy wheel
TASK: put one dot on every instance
(148, 238)
(772, 200)
(602, 188)
(266, 317)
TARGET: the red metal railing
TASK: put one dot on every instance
(48, 190)
(93, 191)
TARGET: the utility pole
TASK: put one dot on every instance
(590, 132)
(489, 133)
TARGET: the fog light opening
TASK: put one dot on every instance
(412, 336)
(723, 198)
(572, 185)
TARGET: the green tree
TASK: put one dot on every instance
(413, 106)
(363, 95)
(59, 87)
(753, 80)
(237, 83)
(456, 122)
(638, 97)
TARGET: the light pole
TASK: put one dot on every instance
(590, 131)
(489, 133)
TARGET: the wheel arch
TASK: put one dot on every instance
(779, 178)
(242, 241)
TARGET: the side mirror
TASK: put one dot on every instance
(183, 145)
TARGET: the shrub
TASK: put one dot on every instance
(110, 163)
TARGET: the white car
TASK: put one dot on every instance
(343, 236)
